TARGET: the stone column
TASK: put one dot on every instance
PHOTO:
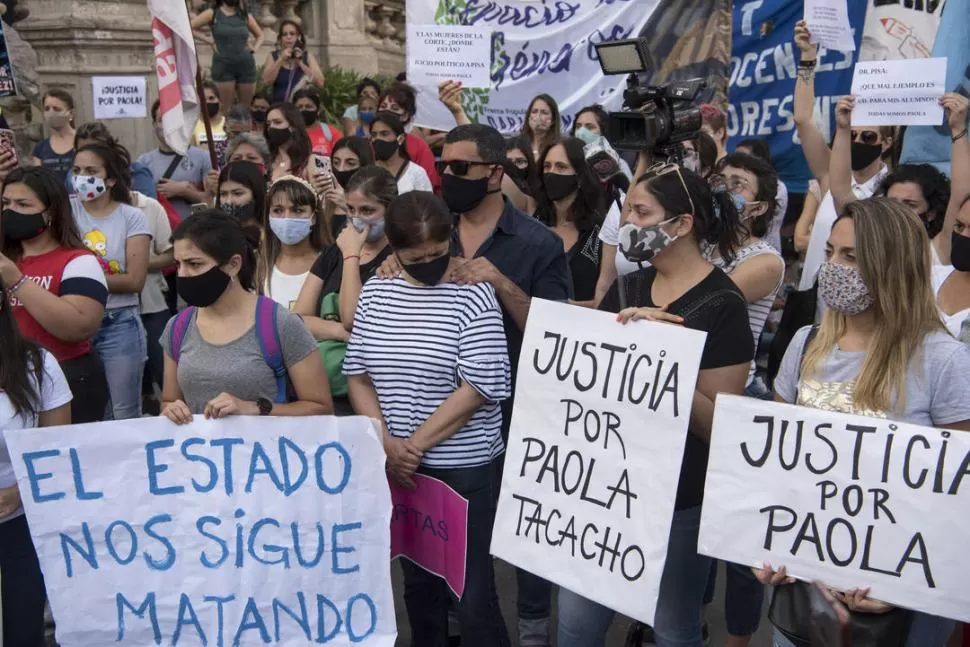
(76, 40)
(341, 25)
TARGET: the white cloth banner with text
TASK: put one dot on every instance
(848, 500)
(246, 531)
(593, 460)
(537, 48)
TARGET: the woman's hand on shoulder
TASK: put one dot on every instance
(178, 412)
(390, 268)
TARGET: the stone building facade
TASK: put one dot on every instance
(75, 40)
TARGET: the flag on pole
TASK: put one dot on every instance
(176, 65)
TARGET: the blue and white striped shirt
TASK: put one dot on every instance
(418, 344)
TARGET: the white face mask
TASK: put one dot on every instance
(88, 187)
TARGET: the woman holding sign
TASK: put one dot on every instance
(881, 351)
(669, 213)
(428, 357)
(33, 393)
(233, 352)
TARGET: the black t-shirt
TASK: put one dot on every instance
(329, 268)
(717, 307)
(584, 264)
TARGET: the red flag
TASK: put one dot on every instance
(176, 65)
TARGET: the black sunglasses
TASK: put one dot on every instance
(868, 136)
(458, 167)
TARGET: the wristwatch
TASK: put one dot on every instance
(265, 406)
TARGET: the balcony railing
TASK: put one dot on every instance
(385, 24)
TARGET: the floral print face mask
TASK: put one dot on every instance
(843, 289)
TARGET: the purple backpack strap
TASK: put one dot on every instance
(180, 327)
(268, 335)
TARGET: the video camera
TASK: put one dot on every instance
(655, 118)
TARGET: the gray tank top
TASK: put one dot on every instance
(231, 34)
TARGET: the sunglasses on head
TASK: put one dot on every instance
(663, 168)
(865, 136)
(458, 167)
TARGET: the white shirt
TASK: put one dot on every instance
(824, 219)
(778, 219)
(54, 392)
(284, 288)
(955, 321)
(610, 235)
(152, 297)
(414, 178)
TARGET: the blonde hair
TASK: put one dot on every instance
(893, 253)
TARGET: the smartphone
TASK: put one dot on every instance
(199, 207)
(321, 164)
(8, 143)
(830, 619)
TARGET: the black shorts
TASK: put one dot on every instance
(236, 69)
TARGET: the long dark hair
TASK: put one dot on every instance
(531, 185)
(269, 250)
(716, 219)
(375, 183)
(934, 185)
(555, 128)
(392, 121)
(21, 364)
(589, 207)
(359, 146)
(299, 147)
(117, 166)
(221, 237)
(57, 203)
(249, 175)
(601, 116)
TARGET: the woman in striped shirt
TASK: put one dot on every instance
(428, 357)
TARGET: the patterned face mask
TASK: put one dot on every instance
(842, 289)
(642, 244)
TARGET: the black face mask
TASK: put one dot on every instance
(343, 177)
(259, 116)
(385, 150)
(559, 186)
(212, 108)
(864, 154)
(430, 272)
(205, 289)
(17, 226)
(278, 136)
(461, 194)
(241, 212)
(309, 117)
(960, 252)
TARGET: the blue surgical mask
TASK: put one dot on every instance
(376, 228)
(587, 135)
(291, 231)
(367, 117)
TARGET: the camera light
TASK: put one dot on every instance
(624, 56)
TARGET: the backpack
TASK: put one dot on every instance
(333, 351)
(267, 334)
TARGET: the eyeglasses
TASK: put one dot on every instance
(458, 167)
(736, 183)
(865, 136)
(663, 168)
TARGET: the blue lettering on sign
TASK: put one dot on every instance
(227, 445)
(259, 463)
(147, 606)
(86, 552)
(197, 458)
(200, 526)
(169, 559)
(35, 478)
(220, 614)
(352, 633)
(345, 462)
(187, 616)
(336, 549)
(302, 620)
(291, 485)
(251, 620)
(82, 495)
(109, 540)
(284, 558)
(295, 530)
(154, 469)
(500, 13)
(324, 603)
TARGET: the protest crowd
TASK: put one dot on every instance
(277, 265)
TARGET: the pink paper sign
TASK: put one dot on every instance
(429, 526)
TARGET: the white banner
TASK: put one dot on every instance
(594, 453)
(119, 97)
(900, 30)
(246, 531)
(899, 93)
(538, 48)
(851, 501)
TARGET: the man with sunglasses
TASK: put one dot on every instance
(522, 259)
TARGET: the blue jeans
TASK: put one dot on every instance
(121, 343)
(743, 598)
(428, 598)
(677, 623)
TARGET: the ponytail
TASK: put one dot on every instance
(222, 236)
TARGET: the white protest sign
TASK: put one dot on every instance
(899, 93)
(245, 531)
(851, 501)
(119, 97)
(593, 460)
(439, 53)
(828, 20)
(898, 30)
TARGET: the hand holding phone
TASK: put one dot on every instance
(322, 164)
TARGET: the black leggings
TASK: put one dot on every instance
(85, 376)
(22, 591)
